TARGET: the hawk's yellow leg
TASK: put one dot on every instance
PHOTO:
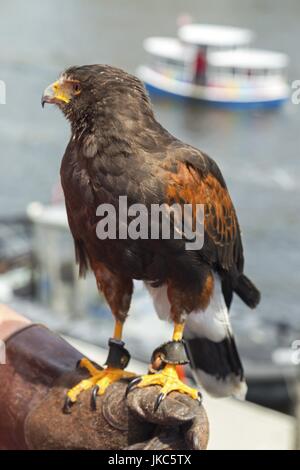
(167, 378)
(100, 379)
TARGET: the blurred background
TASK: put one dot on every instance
(256, 149)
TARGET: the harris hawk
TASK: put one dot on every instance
(117, 148)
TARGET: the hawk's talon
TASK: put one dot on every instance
(94, 397)
(168, 379)
(200, 398)
(158, 401)
(67, 406)
(131, 384)
(98, 381)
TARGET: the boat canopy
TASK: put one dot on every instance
(248, 59)
(168, 48)
(214, 36)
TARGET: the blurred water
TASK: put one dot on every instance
(257, 151)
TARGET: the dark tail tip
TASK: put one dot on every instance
(217, 366)
(247, 291)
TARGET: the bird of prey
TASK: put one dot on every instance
(118, 148)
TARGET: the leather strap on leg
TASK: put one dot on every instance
(118, 356)
(172, 352)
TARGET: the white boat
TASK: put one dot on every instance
(215, 64)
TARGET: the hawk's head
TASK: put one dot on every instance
(90, 92)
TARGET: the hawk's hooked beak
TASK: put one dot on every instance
(56, 93)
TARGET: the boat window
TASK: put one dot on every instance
(169, 67)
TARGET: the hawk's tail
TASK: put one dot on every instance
(212, 349)
(217, 366)
(247, 291)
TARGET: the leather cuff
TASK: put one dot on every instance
(118, 356)
(172, 352)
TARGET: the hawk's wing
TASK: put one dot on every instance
(196, 179)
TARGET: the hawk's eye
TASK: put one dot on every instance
(76, 88)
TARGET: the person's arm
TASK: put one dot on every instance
(10, 322)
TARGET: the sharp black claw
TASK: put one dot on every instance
(200, 398)
(67, 405)
(132, 384)
(78, 364)
(158, 401)
(94, 397)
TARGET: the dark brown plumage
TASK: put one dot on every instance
(118, 148)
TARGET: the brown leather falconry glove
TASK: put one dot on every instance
(41, 366)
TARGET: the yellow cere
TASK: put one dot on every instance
(59, 92)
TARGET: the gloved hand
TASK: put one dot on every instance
(181, 423)
(41, 367)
